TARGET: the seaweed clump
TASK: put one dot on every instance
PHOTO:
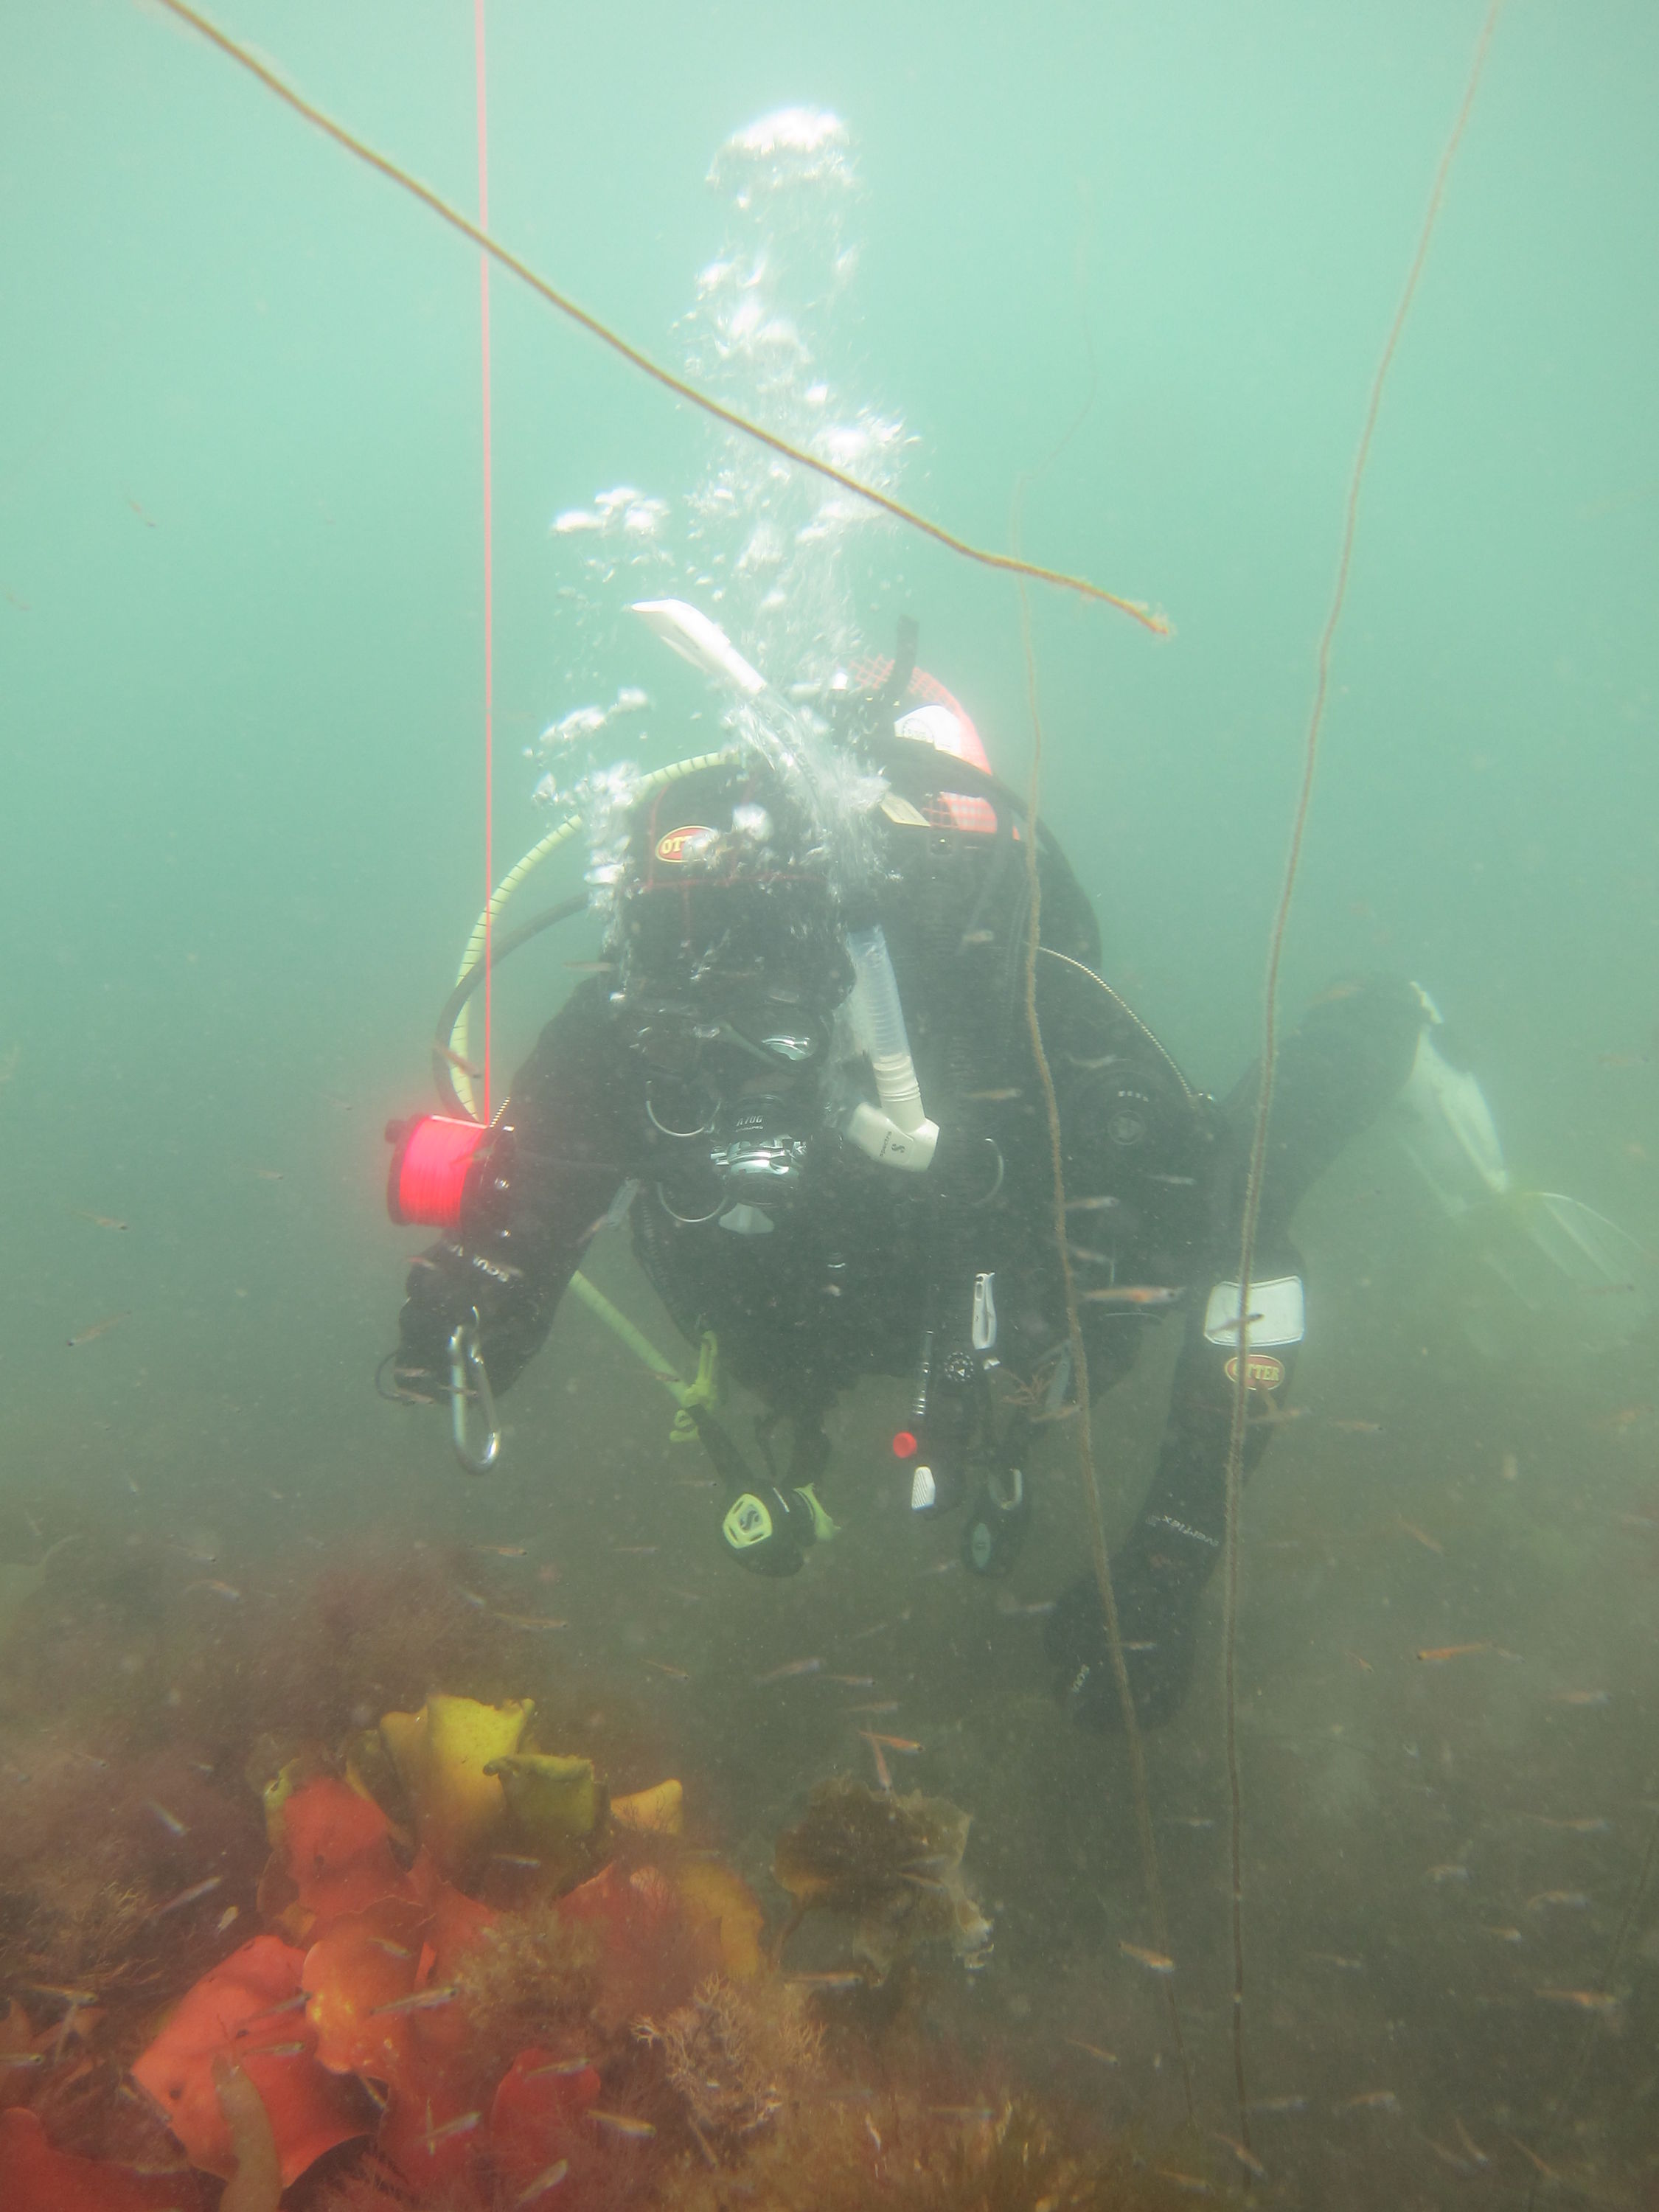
(905, 2153)
(735, 2055)
(537, 1982)
(896, 1863)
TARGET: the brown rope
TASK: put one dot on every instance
(1148, 618)
(1269, 1049)
(1088, 1481)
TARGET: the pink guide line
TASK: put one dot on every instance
(488, 565)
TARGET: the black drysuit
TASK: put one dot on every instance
(860, 1259)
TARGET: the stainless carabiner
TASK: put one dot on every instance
(467, 1358)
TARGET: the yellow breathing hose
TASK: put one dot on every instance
(484, 926)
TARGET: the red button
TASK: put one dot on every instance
(905, 1445)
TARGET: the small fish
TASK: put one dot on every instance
(1192, 1821)
(1371, 2100)
(1363, 1664)
(531, 1620)
(1132, 1294)
(1359, 1428)
(295, 2003)
(1438, 1654)
(148, 520)
(504, 1550)
(1094, 2051)
(1507, 1935)
(1190, 2184)
(465, 1067)
(1422, 1536)
(1091, 1204)
(883, 1777)
(393, 1950)
(1335, 1959)
(1569, 1900)
(232, 1912)
(907, 1744)
(1586, 2000)
(90, 1334)
(189, 1896)
(827, 1981)
(635, 1551)
(1444, 1874)
(1477, 2156)
(15, 2061)
(1509, 1467)
(1175, 1182)
(474, 1598)
(853, 1681)
(788, 1671)
(1546, 2172)
(882, 1706)
(517, 1859)
(979, 937)
(417, 2001)
(549, 2178)
(1246, 2157)
(590, 967)
(991, 1098)
(1625, 1418)
(557, 2067)
(1232, 1328)
(622, 2123)
(1012, 1609)
(267, 1175)
(462, 2125)
(1155, 1962)
(228, 1591)
(62, 1993)
(1279, 2104)
(170, 1821)
(1448, 2157)
(97, 1220)
(1589, 1824)
(674, 1673)
(1580, 1698)
(280, 2051)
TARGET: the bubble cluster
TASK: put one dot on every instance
(758, 544)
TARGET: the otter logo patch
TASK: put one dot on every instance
(680, 844)
(1262, 1372)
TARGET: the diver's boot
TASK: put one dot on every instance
(997, 1522)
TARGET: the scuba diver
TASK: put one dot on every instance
(805, 1074)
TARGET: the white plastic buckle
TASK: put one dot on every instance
(1276, 1313)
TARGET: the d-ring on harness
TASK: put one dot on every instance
(466, 1358)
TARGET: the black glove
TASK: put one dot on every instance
(447, 1286)
(1159, 1641)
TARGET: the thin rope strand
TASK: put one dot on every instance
(1088, 1482)
(1148, 618)
(1269, 1049)
(481, 74)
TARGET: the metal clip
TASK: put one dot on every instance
(467, 1358)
